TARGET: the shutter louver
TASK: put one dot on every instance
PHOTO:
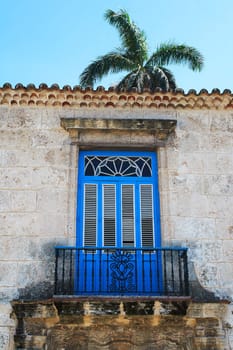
(90, 214)
(128, 218)
(109, 219)
(147, 227)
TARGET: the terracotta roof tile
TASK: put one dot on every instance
(76, 97)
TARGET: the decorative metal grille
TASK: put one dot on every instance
(123, 269)
(118, 166)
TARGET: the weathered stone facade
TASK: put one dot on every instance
(110, 324)
(41, 131)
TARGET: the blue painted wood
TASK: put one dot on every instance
(142, 260)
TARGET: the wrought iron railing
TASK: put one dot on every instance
(121, 271)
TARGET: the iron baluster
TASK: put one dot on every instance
(93, 269)
(157, 262)
(63, 269)
(165, 273)
(100, 270)
(172, 272)
(108, 271)
(85, 270)
(186, 272)
(180, 273)
(56, 271)
(150, 269)
(136, 268)
(143, 271)
(78, 280)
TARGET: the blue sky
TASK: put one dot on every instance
(52, 41)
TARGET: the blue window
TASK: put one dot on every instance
(118, 202)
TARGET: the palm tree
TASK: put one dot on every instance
(144, 71)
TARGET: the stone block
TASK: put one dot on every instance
(4, 338)
(224, 228)
(16, 248)
(222, 123)
(50, 119)
(52, 201)
(47, 138)
(225, 271)
(187, 183)
(163, 180)
(36, 279)
(23, 201)
(4, 111)
(5, 201)
(5, 315)
(220, 143)
(21, 118)
(190, 140)
(185, 204)
(220, 206)
(212, 250)
(190, 162)
(8, 273)
(218, 185)
(27, 224)
(53, 176)
(207, 274)
(7, 294)
(41, 157)
(198, 121)
(227, 255)
(15, 178)
(162, 158)
(218, 163)
(20, 139)
(207, 310)
(51, 224)
(194, 229)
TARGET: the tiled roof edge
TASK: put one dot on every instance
(76, 97)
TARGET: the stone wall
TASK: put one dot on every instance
(35, 209)
(38, 167)
(196, 192)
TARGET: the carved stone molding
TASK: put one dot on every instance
(119, 132)
(116, 324)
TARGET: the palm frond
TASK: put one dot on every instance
(126, 82)
(149, 78)
(113, 62)
(170, 77)
(133, 38)
(168, 53)
(138, 79)
(158, 78)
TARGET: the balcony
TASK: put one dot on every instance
(93, 271)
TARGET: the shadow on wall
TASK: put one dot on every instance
(39, 273)
(197, 291)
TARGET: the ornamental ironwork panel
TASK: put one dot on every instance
(122, 272)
